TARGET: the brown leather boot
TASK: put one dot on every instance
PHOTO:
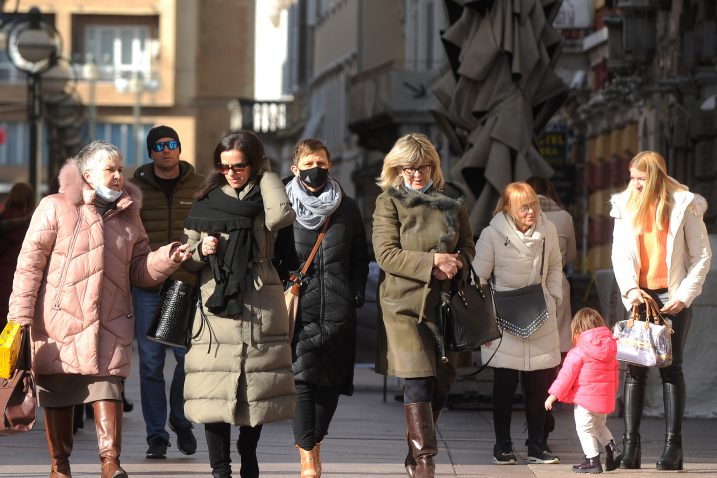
(108, 420)
(422, 436)
(58, 431)
(308, 463)
(317, 457)
(410, 462)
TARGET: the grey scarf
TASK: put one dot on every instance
(312, 211)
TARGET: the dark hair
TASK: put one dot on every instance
(544, 187)
(251, 147)
(308, 146)
(21, 197)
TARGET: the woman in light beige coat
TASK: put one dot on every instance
(510, 249)
(238, 368)
(72, 287)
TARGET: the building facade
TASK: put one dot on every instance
(133, 64)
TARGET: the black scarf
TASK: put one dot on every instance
(218, 212)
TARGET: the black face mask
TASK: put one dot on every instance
(314, 177)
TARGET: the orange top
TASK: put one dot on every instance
(653, 256)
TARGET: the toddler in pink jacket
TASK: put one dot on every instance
(589, 379)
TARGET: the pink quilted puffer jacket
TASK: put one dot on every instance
(72, 282)
(589, 375)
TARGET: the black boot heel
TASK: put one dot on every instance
(631, 453)
(671, 458)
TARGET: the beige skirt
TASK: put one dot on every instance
(63, 390)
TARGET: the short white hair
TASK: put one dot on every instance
(91, 154)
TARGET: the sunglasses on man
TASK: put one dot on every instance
(172, 144)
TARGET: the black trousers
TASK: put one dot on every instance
(535, 388)
(218, 444)
(672, 376)
(315, 407)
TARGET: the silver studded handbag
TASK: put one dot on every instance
(522, 311)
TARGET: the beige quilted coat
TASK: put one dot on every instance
(238, 369)
(72, 282)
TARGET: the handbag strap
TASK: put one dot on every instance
(297, 279)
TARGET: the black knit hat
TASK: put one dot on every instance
(159, 132)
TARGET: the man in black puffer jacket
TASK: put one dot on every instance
(324, 339)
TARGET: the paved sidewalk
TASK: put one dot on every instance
(365, 440)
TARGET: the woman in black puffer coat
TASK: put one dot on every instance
(324, 339)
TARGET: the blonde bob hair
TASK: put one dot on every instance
(411, 150)
(517, 193)
(655, 200)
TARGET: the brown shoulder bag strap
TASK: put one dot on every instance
(298, 279)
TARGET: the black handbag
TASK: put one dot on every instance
(470, 319)
(172, 323)
(522, 311)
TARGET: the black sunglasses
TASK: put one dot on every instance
(172, 144)
(236, 167)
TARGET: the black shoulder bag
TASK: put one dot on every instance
(522, 311)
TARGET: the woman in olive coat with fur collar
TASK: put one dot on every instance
(419, 227)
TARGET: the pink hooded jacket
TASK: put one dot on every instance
(72, 282)
(589, 375)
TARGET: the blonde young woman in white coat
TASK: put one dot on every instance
(510, 249)
(660, 246)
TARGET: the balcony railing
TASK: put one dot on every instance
(258, 116)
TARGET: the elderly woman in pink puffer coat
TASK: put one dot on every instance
(72, 287)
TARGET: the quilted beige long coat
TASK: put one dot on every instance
(72, 282)
(238, 369)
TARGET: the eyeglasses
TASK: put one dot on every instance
(236, 167)
(172, 144)
(423, 169)
(533, 206)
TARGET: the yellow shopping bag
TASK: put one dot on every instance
(9, 349)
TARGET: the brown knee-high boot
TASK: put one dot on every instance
(108, 420)
(410, 462)
(58, 430)
(422, 436)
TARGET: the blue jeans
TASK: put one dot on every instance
(151, 371)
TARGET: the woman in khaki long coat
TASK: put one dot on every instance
(421, 238)
(238, 368)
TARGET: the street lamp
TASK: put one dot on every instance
(91, 73)
(138, 83)
(33, 45)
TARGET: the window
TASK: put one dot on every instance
(424, 19)
(118, 50)
(123, 136)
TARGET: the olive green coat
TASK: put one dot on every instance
(238, 369)
(408, 229)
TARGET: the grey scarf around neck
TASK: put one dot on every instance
(312, 211)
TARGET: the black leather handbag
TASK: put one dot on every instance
(172, 324)
(522, 311)
(469, 316)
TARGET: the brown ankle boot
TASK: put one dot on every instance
(317, 457)
(58, 431)
(308, 463)
(108, 420)
(422, 436)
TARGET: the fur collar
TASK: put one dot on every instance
(437, 200)
(73, 187)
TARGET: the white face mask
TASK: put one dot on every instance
(107, 194)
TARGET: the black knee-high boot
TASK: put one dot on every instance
(218, 444)
(674, 398)
(246, 446)
(634, 400)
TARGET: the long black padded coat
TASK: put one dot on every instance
(324, 341)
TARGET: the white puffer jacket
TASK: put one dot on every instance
(514, 259)
(688, 247)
